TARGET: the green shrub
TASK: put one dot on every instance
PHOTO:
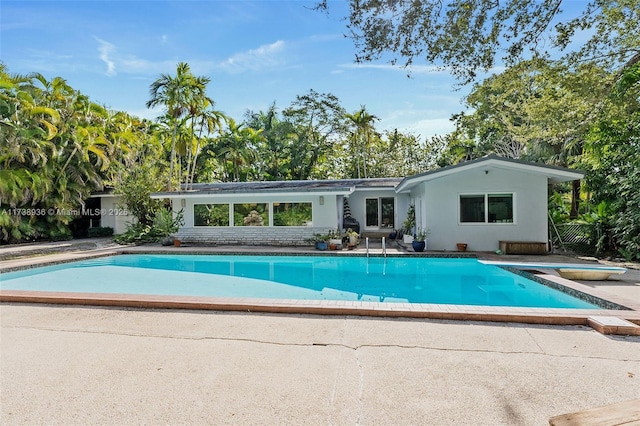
(101, 231)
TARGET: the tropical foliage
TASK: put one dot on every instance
(472, 36)
(58, 147)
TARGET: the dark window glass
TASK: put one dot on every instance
(472, 208)
(500, 208)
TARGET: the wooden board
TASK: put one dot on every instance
(623, 413)
(523, 247)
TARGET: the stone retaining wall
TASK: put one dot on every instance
(250, 235)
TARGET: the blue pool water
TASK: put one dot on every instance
(394, 279)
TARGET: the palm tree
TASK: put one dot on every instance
(209, 121)
(237, 146)
(361, 135)
(176, 93)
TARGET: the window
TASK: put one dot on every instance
(211, 215)
(251, 214)
(486, 208)
(291, 214)
(380, 212)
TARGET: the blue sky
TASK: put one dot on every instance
(255, 52)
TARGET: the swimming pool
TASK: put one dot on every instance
(345, 278)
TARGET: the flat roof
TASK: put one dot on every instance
(344, 186)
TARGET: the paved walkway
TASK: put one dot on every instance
(80, 366)
(89, 365)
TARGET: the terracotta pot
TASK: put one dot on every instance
(461, 246)
(177, 242)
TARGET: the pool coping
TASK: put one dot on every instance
(547, 316)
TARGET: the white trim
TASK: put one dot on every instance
(486, 210)
(378, 227)
(553, 174)
(248, 195)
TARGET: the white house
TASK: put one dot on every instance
(484, 201)
(479, 202)
(284, 212)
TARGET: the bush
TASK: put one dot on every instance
(101, 231)
(164, 224)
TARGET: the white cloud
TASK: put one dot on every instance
(419, 69)
(423, 122)
(265, 56)
(414, 69)
(105, 48)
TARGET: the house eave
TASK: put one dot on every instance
(249, 194)
(554, 174)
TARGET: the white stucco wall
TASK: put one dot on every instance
(324, 218)
(113, 214)
(357, 204)
(440, 209)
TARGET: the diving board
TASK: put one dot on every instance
(576, 271)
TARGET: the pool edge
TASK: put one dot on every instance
(548, 316)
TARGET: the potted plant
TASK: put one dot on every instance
(409, 224)
(461, 246)
(165, 225)
(335, 240)
(320, 241)
(353, 238)
(420, 240)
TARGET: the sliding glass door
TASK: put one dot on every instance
(380, 213)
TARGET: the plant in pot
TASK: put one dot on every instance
(165, 225)
(335, 240)
(409, 224)
(419, 242)
(353, 238)
(320, 241)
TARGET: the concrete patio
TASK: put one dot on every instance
(104, 365)
(86, 365)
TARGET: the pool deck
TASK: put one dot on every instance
(78, 365)
(624, 290)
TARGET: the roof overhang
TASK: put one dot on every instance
(249, 194)
(493, 162)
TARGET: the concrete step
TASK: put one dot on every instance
(613, 325)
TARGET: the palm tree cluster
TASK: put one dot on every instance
(57, 147)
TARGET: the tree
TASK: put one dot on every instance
(537, 111)
(362, 123)
(182, 95)
(318, 120)
(237, 146)
(467, 36)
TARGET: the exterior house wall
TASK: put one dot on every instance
(113, 214)
(358, 208)
(324, 218)
(441, 209)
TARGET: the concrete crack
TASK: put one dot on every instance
(323, 344)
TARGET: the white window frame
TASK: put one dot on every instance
(378, 227)
(486, 210)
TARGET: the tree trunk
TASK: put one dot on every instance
(575, 199)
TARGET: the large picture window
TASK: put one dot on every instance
(486, 208)
(211, 215)
(291, 214)
(251, 214)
